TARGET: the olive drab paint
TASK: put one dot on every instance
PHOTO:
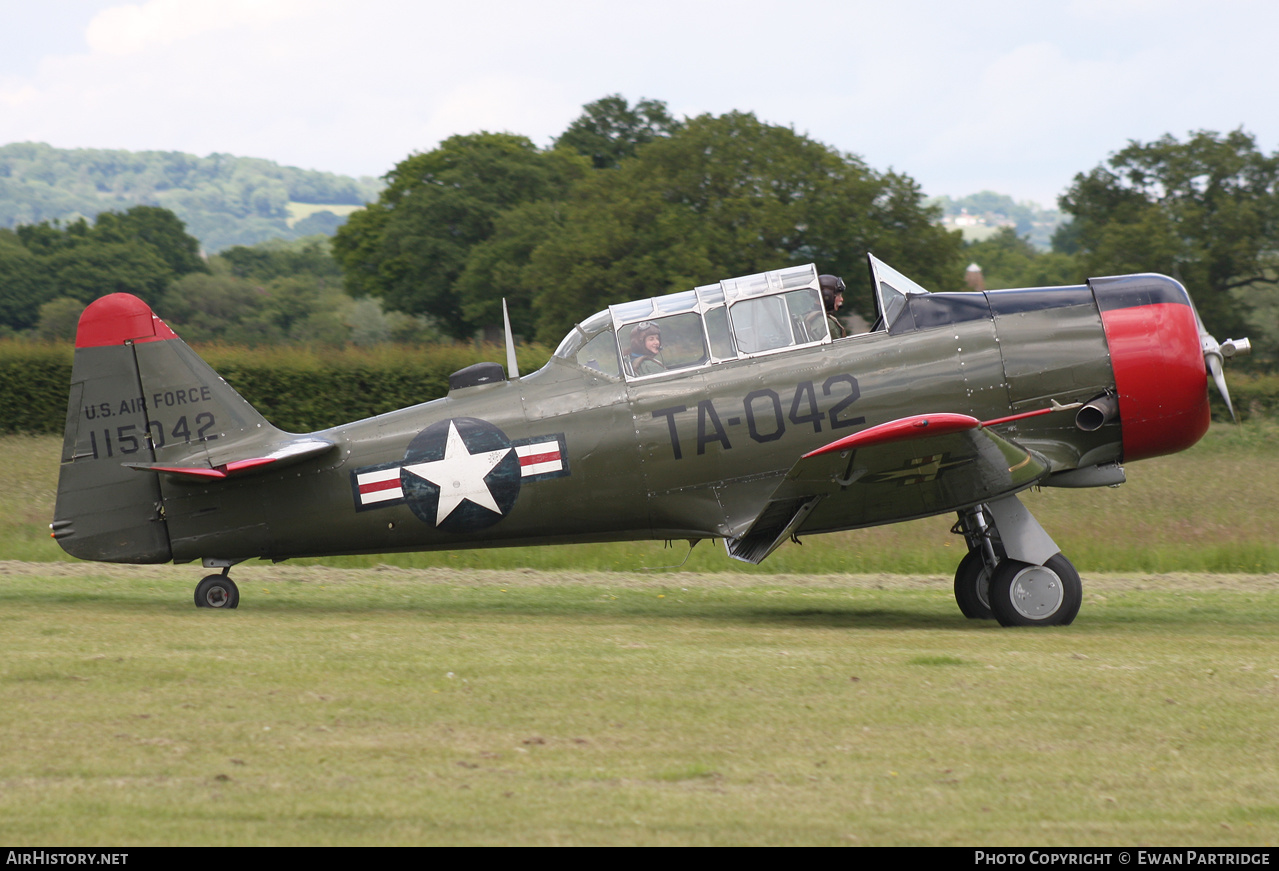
(747, 422)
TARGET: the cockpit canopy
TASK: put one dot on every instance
(751, 316)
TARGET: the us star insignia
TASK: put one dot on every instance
(461, 474)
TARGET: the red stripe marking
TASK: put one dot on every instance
(376, 486)
(530, 459)
(190, 471)
(1010, 418)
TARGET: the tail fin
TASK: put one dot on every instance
(143, 405)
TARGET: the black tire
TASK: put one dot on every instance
(972, 587)
(217, 591)
(1022, 594)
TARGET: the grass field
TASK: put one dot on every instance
(445, 707)
(483, 702)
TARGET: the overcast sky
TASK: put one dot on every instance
(1011, 96)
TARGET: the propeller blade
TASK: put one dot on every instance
(1214, 352)
(1213, 359)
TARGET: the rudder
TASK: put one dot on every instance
(139, 397)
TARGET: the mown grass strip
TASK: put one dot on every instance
(365, 707)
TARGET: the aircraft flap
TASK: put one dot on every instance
(912, 467)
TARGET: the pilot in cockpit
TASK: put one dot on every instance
(833, 299)
(646, 344)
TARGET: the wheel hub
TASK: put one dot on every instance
(1037, 593)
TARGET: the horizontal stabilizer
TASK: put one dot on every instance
(279, 455)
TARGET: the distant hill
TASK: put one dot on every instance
(984, 214)
(223, 200)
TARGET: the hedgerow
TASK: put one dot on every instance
(298, 390)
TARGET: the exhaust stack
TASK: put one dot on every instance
(1097, 413)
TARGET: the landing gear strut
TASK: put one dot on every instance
(1013, 571)
(217, 591)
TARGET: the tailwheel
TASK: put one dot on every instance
(972, 587)
(217, 591)
(1022, 594)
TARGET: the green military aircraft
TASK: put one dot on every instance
(726, 412)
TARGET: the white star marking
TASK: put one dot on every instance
(460, 475)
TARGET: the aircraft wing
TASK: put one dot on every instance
(913, 467)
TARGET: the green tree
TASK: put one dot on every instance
(410, 246)
(283, 292)
(140, 252)
(726, 196)
(487, 217)
(284, 309)
(277, 258)
(24, 284)
(496, 269)
(49, 237)
(1205, 211)
(610, 130)
(158, 228)
(305, 311)
(206, 307)
(59, 319)
(370, 325)
(1009, 260)
(94, 269)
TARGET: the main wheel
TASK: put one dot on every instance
(1022, 594)
(217, 591)
(972, 587)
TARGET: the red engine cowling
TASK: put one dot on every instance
(1158, 363)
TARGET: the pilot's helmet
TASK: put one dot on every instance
(832, 285)
(641, 332)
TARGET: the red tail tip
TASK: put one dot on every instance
(119, 318)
